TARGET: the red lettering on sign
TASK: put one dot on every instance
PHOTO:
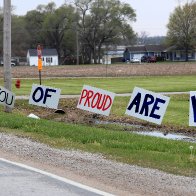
(83, 95)
(95, 100)
(89, 95)
(101, 103)
(107, 103)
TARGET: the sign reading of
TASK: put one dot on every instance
(96, 100)
(44, 96)
(192, 109)
(7, 98)
(147, 105)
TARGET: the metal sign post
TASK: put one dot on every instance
(39, 54)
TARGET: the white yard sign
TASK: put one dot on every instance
(7, 98)
(96, 100)
(44, 96)
(147, 105)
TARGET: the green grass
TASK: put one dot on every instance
(117, 85)
(166, 155)
(113, 142)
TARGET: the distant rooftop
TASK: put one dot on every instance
(45, 52)
(147, 48)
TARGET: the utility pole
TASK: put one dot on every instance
(7, 47)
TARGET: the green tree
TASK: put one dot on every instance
(103, 22)
(20, 36)
(34, 21)
(52, 27)
(58, 27)
(34, 25)
(182, 27)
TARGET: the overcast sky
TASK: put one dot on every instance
(152, 15)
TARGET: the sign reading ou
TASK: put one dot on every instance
(44, 96)
(7, 98)
(147, 105)
(96, 100)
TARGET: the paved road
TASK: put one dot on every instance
(21, 180)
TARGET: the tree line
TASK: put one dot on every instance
(86, 25)
(89, 26)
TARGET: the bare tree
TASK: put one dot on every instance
(142, 37)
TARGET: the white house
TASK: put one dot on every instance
(108, 55)
(49, 57)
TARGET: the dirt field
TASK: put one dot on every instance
(180, 68)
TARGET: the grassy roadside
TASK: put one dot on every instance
(166, 155)
(112, 141)
(117, 85)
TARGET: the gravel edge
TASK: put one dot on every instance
(132, 179)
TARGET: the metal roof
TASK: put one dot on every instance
(137, 49)
(114, 52)
(45, 52)
(155, 48)
(147, 48)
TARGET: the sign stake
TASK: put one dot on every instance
(40, 77)
(39, 54)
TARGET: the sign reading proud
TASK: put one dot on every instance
(96, 100)
(147, 105)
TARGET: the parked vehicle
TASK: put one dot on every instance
(160, 58)
(148, 59)
(13, 63)
(144, 59)
(135, 60)
(152, 59)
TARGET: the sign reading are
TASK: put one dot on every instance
(44, 96)
(96, 100)
(147, 105)
(7, 98)
(192, 109)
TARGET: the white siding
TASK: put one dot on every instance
(47, 60)
(138, 56)
(50, 60)
(33, 61)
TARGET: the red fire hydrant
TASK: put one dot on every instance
(17, 83)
